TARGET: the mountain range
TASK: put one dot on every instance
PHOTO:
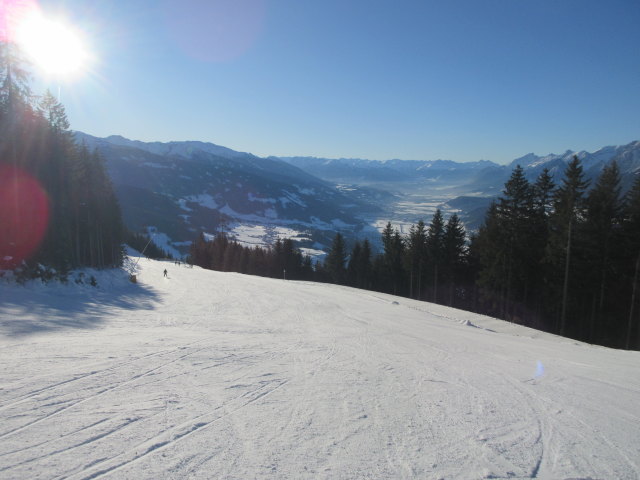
(177, 189)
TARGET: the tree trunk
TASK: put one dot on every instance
(411, 283)
(592, 324)
(631, 308)
(565, 287)
(435, 283)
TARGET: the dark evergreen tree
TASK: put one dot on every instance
(359, 265)
(307, 268)
(602, 231)
(15, 93)
(631, 259)
(567, 218)
(523, 250)
(353, 264)
(435, 250)
(84, 221)
(543, 192)
(335, 261)
(490, 250)
(392, 273)
(199, 252)
(364, 270)
(416, 258)
(454, 249)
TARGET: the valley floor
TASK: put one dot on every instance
(206, 375)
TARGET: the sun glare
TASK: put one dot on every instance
(53, 46)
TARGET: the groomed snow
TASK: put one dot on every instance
(207, 375)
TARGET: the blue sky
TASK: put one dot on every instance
(419, 79)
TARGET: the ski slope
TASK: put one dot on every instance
(209, 375)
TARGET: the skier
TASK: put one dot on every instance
(165, 272)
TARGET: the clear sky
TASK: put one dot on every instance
(379, 79)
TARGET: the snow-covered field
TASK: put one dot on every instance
(210, 375)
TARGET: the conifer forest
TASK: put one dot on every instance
(58, 205)
(560, 258)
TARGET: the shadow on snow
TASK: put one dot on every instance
(25, 311)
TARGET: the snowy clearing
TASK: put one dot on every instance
(215, 375)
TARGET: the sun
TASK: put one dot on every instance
(54, 47)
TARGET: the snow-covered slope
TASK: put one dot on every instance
(215, 375)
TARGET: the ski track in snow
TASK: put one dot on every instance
(230, 376)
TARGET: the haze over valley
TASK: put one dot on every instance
(182, 188)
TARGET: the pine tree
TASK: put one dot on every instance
(61, 154)
(543, 193)
(364, 266)
(387, 239)
(85, 227)
(567, 216)
(631, 242)
(393, 271)
(15, 92)
(292, 259)
(335, 260)
(354, 264)
(454, 244)
(395, 260)
(416, 255)
(359, 265)
(508, 249)
(307, 268)
(435, 249)
(602, 228)
(491, 247)
(516, 211)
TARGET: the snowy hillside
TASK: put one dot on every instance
(183, 188)
(207, 375)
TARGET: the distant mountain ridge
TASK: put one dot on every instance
(362, 170)
(178, 148)
(483, 175)
(182, 188)
(627, 156)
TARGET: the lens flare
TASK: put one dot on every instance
(12, 13)
(54, 47)
(24, 216)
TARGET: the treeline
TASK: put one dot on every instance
(282, 260)
(561, 258)
(429, 263)
(77, 215)
(143, 244)
(565, 259)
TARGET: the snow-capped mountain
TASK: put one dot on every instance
(181, 188)
(466, 188)
(484, 177)
(626, 156)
